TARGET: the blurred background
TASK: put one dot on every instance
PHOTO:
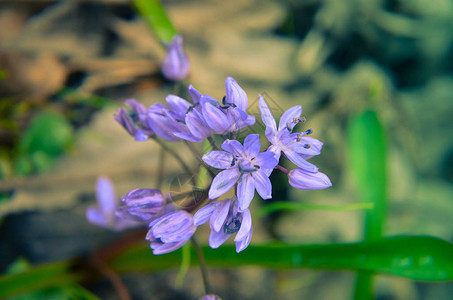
(66, 66)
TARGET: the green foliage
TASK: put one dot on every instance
(49, 133)
(367, 157)
(48, 136)
(42, 283)
(294, 206)
(416, 257)
(156, 17)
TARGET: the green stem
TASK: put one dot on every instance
(204, 271)
(179, 159)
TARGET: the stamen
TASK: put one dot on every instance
(233, 162)
(307, 146)
(299, 119)
(308, 131)
(232, 227)
(298, 137)
(242, 170)
(288, 126)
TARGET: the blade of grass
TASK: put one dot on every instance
(154, 14)
(415, 257)
(291, 206)
(367, 157)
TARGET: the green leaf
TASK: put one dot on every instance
(185, 265)
(154, 14)
(49, 133)
(38, 278)
(292, 206)
(367, 157)
(419, 258)
(416, 257)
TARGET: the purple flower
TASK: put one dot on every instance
(146, 204)
(134, 120)
(104, 214)
(243, 165)
(296, 146)
(179, 119)
(176, 64)
(230, 115)
(170, 231)
(164, 120)
(303, 180)
(224, 220)
(210, 297)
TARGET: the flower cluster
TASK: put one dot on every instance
(237, 165)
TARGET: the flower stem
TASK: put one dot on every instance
(179, 159)
(160, 168)
(197, 156)
(204, 271)
(284, 170)
(212, 142)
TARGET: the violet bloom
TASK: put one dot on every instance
(176, 64)
(303, 180)
(134, 120)
(224, 220)
(243, 165)
(230, 115)
(104, 214)
(179, 119)
(210, 297)
(146, 204)
(296, 146)
(170, 231)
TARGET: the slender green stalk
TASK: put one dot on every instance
(154, 14)
(367, 156)
(179, 159)
(291, 206)
(204, 270)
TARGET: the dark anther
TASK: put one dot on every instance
(232, 227)
(307, 146)
(233, 162)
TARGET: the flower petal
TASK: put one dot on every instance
(233, 147)
(178, 104)
(266, 160)
(246, 226)
(303, 180)
(242, 244)
(223, 182)
(95, 216)
(287, 117)
(176, 64)
(219, 216)
(235, 94)
(197, 125)
(246, 191)
(166, 248)
(315, 147)
(204, 214)
(300, 161)
(267, 117)
(195, 95)
(106, 196)
(218, 159)
(252, 145)
(214, 117)
(262, 184)
(216, 239)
